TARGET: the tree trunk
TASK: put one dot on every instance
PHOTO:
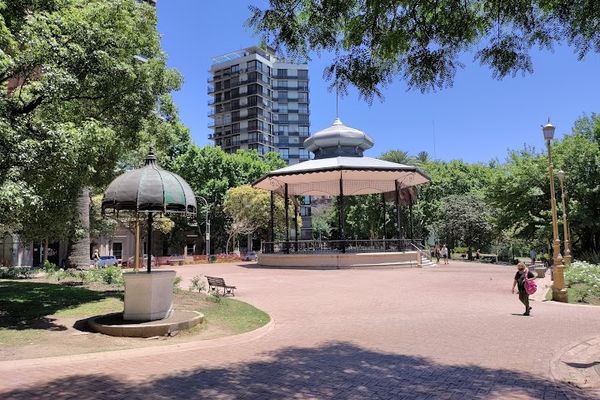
(79, 256)
(45, 250)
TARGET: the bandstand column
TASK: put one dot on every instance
(296, 226)
(397, 198)
(341, 216)
(287, 220)
(384, 218)
(410, 211)
(272, 224)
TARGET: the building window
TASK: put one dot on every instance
(254, 65)
(303, 85)
(283, 118)
(303, 154)
(303, 130)
(303, 97)
(285, 153)
(303, 108)
(282, 108)
(305, 211)
(282, 130)
(282, 72)
(303, 73)
(235, 68)
(282, 84)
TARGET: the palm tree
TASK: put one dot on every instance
(398, 156)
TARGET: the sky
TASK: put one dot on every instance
(478, 119)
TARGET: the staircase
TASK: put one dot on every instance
(426, 261)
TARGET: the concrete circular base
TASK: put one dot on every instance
(114, 324)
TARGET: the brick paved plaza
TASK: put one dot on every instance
(449, 332)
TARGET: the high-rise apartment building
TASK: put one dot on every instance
(260, 102)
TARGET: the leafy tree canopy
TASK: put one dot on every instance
(422, 41)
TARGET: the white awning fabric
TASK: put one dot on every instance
(359, 175)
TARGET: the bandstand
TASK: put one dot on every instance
(339, 169)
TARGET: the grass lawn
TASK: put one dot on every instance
(37, 318)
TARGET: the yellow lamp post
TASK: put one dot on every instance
(566, 231)
(559, 292)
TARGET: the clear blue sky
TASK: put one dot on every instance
(478, 119)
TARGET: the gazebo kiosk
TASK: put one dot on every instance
(149, 190)
(340, 169)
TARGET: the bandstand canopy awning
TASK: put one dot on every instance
(358, 175)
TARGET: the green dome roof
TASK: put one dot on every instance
(150, 188)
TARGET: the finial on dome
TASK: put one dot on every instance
(337, 121)
(150, 158)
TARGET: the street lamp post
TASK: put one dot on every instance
(207, 238)
(558, 288)
(567, 233)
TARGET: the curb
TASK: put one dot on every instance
(557, 372)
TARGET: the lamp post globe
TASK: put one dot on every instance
(559, 292)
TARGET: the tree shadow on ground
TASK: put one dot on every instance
(27, 305)
(335, 370)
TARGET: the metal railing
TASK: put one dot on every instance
(341, 246)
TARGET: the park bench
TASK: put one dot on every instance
(215, 283)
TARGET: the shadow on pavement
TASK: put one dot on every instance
(336, 370)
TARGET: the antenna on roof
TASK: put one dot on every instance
(337, 100)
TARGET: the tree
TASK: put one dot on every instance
(423, 41)
(249, 210)
(464, 219)
(398, 156)
(78, 101)
(210, 172)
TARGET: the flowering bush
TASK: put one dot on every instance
(584, 280)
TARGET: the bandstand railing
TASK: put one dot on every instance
(342, 246)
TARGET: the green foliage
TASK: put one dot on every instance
(591, 256)
(177, 284)
(584, 279)
(11, 272)
(423, 42)
(49, 268)
(249, 210)
(464, 219)
(111, 275)
(79, 104)
(211, 172)
(197, 284)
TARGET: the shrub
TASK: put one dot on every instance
(198, 284)
(592, 256)
(584, 278)
(49, 268)
(110, 275)
(15, 272)
(177, 284)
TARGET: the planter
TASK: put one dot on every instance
(148, 296)
(540, 271)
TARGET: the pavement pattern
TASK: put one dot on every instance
(450, 332)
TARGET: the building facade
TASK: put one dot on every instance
(261, 102)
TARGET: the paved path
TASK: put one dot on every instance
(449, 332)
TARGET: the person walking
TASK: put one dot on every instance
(444, 253)
(533, 255)
(437, 253)
(519, 281)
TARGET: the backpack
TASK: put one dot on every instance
(529, 284)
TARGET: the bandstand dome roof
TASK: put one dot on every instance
(339, 161)
(150, 188)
